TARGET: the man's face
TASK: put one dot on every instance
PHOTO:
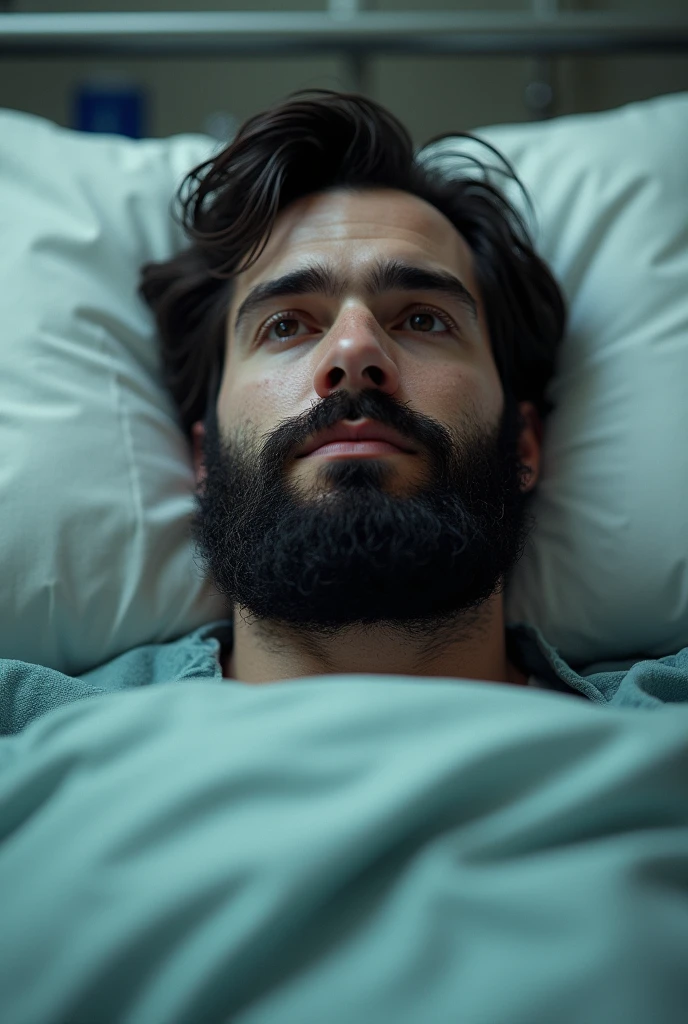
(407, 540)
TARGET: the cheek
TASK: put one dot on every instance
(458, 392)
(261, 402)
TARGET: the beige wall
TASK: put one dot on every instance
(430, 94)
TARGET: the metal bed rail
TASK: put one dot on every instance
(348, 32)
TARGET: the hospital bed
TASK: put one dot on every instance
(302, 853)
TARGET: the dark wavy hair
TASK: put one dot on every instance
(315, 141)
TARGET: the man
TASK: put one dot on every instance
(363, 473)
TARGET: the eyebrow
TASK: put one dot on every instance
(384, 276)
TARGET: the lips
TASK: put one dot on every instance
(368, 431)
(356, 448)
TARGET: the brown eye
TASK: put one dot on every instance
(279, 325)
(419, 318)
(426, 316)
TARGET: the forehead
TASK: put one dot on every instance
(352, 227)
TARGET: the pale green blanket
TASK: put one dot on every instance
(344, 850)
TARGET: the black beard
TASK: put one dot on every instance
(345, 550)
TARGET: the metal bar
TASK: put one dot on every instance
(539, 94)
(357, 64)
(344, 8)
(299, 33)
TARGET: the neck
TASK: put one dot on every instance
(477, 654)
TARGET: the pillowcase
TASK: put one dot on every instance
(97, 482)
(605, 576)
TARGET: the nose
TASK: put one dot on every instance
(355, 357)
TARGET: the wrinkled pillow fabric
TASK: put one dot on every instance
(606, 573)
(96, 482)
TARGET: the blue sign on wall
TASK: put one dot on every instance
(117, 108)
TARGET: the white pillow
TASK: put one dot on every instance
(606, 573)
(96, 482)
